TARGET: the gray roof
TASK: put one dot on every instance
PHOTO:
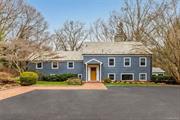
(59, 55)
(90, 48)
(157, 70)
(115, 48)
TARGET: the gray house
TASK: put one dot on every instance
(99, 60)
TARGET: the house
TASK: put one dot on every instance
(158, 71)
(99, 60)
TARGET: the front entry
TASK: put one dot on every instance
(93, 73)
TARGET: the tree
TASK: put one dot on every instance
(71, 36)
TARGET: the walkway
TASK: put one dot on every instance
(20, 90)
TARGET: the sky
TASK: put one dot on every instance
(56, 12)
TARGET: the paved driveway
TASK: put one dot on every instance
(116, 103)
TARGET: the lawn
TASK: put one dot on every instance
(132, 84)
(48, 83)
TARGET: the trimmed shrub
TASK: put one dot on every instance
(74, 81)
(107, 80)
(28, 78)
(163, 79)
(58, 77)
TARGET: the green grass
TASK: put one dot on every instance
(131, 84)
(48, 83)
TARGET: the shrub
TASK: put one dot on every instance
(74, 81)
(107, 80)
(28, 78)
(163, 79)
(6, 78)
(58, 77)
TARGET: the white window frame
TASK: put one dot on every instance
(41, 65)
(54, 67)
(140, 77)
(127, 74)
(68, 65)
(112, 74)
(80, 75)
(114, 62)
(129, 61)
(140, 61)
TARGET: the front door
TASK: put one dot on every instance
(93, 73)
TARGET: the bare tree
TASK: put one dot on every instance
(9, 12)
(71, 36)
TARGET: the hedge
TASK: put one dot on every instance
(28, 78)
(163, 79)
(58, 77)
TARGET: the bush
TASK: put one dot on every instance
(6, 78)
(74, 81)
(163, 79)
(107, 80)
(28, 78)
(58, 77)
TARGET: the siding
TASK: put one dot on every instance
(78, 68)
(119, 66)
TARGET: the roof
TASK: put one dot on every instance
(59, 55)
(102, 48)
(157, 70)
(115, 48)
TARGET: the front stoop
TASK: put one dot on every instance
(20, 90)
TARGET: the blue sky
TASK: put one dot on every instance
(56, 12)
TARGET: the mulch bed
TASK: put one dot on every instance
(8, 86)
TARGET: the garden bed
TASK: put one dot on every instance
(133, 84)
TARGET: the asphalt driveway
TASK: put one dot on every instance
(116, 103)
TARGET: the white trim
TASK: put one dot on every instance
(93, 60)
(129, 61)
(68, 65)
(140, 61)
(140, 77)
(127, 74)
(97, 72)
(41, 65)
(114, 61)
(80, 75)
(54, 67)
(112, 74)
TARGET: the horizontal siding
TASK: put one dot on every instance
(79, 67)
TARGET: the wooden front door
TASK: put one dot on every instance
(93, 73)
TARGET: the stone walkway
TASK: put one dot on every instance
(20, 90)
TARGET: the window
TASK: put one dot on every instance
(39, 65)
(127, 76)
(127, 62)
(142, 62)
(54, 65)
(111, 62)
(142, 76)
(80, 76)
(70, 65)
(112, 76)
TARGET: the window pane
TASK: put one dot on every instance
(39, 65)
(55, 64)
(142, 76)
(111, 62)
(70, 64)
(127, 77)
(111, 76)
(143, 61)
(127, 62)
